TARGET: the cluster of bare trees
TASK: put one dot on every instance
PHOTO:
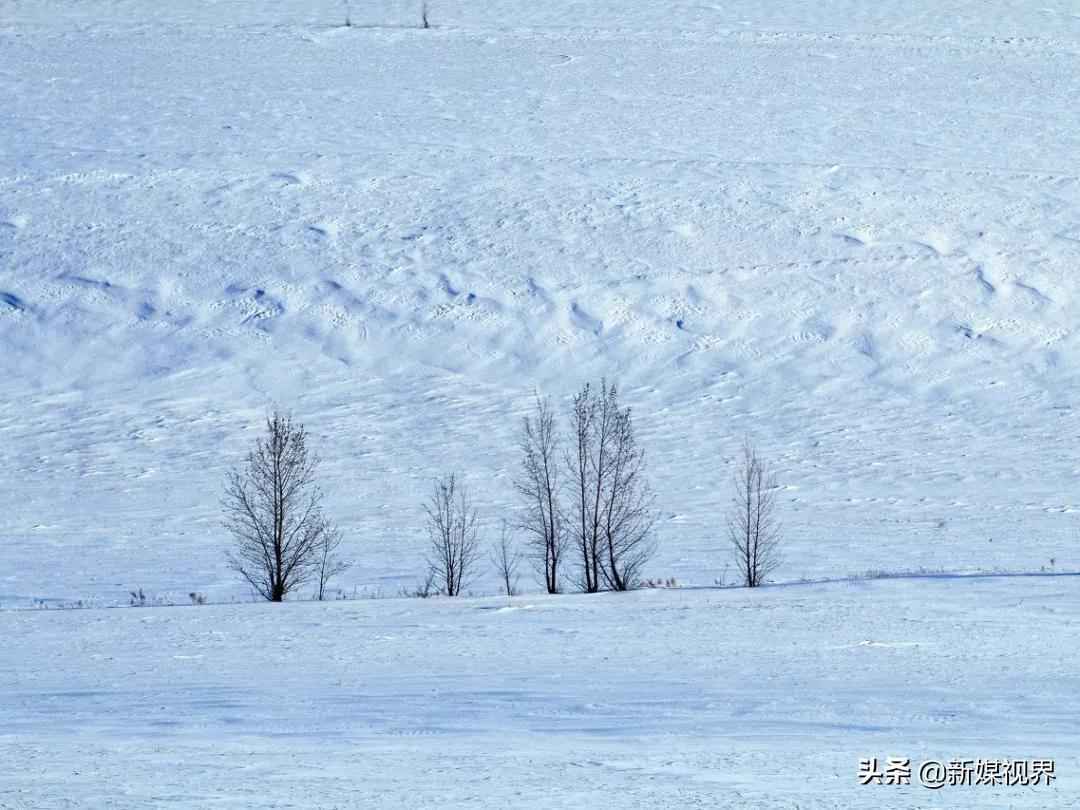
(587, 514)
(586, 495)
(587, 506)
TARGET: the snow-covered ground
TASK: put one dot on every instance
(848, 229)
(656, 699)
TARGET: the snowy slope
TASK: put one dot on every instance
(848, 229)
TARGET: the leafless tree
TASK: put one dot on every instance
(627, 512)
(611, 502)
(452, 533)
(539, 485)
(272, 508)
(506, 558)
(752, 524)
(586, 478)
(424, 14)
(348, 13)
(328, 562)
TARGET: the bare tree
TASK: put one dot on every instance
(628, 516)
(424, 14)
(452, 532)
(506, 558)
(348, 13)
(272, 508)
(611, 502)
(328, 563)
(752, 525)
(586, 463)
(539, 485)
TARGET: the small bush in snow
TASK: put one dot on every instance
(422, 590)
(922, 571)
(670, 582)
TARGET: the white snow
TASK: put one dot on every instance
(848, 229)
(854, 238)
(687, 698)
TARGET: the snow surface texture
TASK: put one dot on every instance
(847, 229)
(737, 699)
